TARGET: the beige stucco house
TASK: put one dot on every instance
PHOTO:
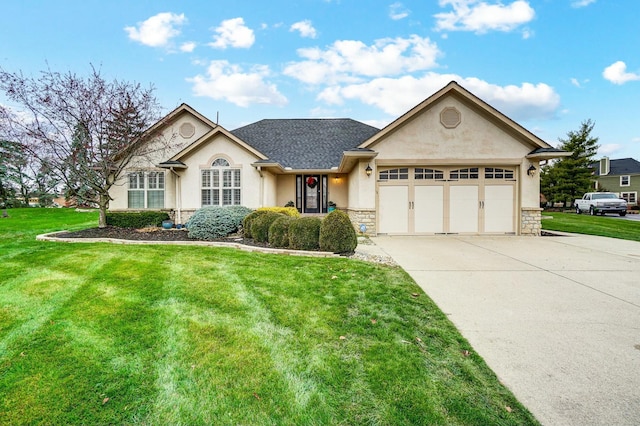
(451, 165)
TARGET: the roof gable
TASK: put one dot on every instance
(171, 117)
(312, 144)
(472, 101)
(208, 136)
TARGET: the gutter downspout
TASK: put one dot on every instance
(259, 169)
(178, 197)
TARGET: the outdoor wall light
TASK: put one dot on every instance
(531, 170)
(368, 170)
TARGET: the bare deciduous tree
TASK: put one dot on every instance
(87, 130)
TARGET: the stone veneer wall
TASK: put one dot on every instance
(530, 218)
(363, 216)
(185, 214)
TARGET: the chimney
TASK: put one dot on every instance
(604, 166)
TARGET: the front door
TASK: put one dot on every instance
(311, 197)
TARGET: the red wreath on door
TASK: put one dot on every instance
(312, 182)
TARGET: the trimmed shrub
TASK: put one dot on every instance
(279, 232)
(304, 233)
(289, 211)
(260, 226)
(238, 213)
(337, 234)
(136, 219)
(209, 223)
(247, 221)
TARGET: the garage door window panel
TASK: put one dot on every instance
(428, 174)
(463, 174)
(394, 174)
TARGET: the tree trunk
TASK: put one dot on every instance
(103, 206)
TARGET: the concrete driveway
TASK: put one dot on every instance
(557, 318)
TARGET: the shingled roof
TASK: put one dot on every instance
(623, 166)
(315, 144)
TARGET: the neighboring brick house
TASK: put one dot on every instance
(621, 176)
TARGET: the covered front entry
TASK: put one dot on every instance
(311, 193)
(447, 200)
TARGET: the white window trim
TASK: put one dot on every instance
(235, 187)
(628, 180)
(635, 197)
(143, 186)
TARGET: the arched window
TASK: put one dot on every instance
(220, 162)
(221, 184)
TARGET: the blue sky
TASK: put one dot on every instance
(548, 64)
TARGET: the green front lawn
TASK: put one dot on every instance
(123, 334)
(605, 226)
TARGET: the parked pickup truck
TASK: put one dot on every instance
(601, 202)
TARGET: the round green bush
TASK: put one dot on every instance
(304, 233)
(260, 226)
(238, 213)
(279, 232)
(337, 234)
(248, 220)
(209, 223)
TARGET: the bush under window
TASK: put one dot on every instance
(209, 223)
(136, 219)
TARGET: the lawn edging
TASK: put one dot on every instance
(52, 237)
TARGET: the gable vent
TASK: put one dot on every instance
(187, 130)
(450, 117)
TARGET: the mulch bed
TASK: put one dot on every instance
(149, 234)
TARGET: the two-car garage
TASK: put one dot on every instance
(447, 200)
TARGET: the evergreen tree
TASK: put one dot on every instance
(570, 177)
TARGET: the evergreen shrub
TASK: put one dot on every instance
(209, 223)
(289, 211)
(136, 219)
(260, 226)
(248, 220)
(337, 234)
(304, 233)
(279, 232)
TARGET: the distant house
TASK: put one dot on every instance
(621, 176)
(451, 165)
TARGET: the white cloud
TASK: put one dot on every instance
(578, 83)
(350, 60)
(581, 3)
(617, 73)
(188, 47)
(481, 17)
(224, 81)
(158, 30)
(233, 33)
(397, 11)
(305, 28)
(396, 96)
(609, 149)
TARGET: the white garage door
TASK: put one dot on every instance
(442, 200)
(498, 208)
(428, 209)
(463, 209)
(394, 216)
